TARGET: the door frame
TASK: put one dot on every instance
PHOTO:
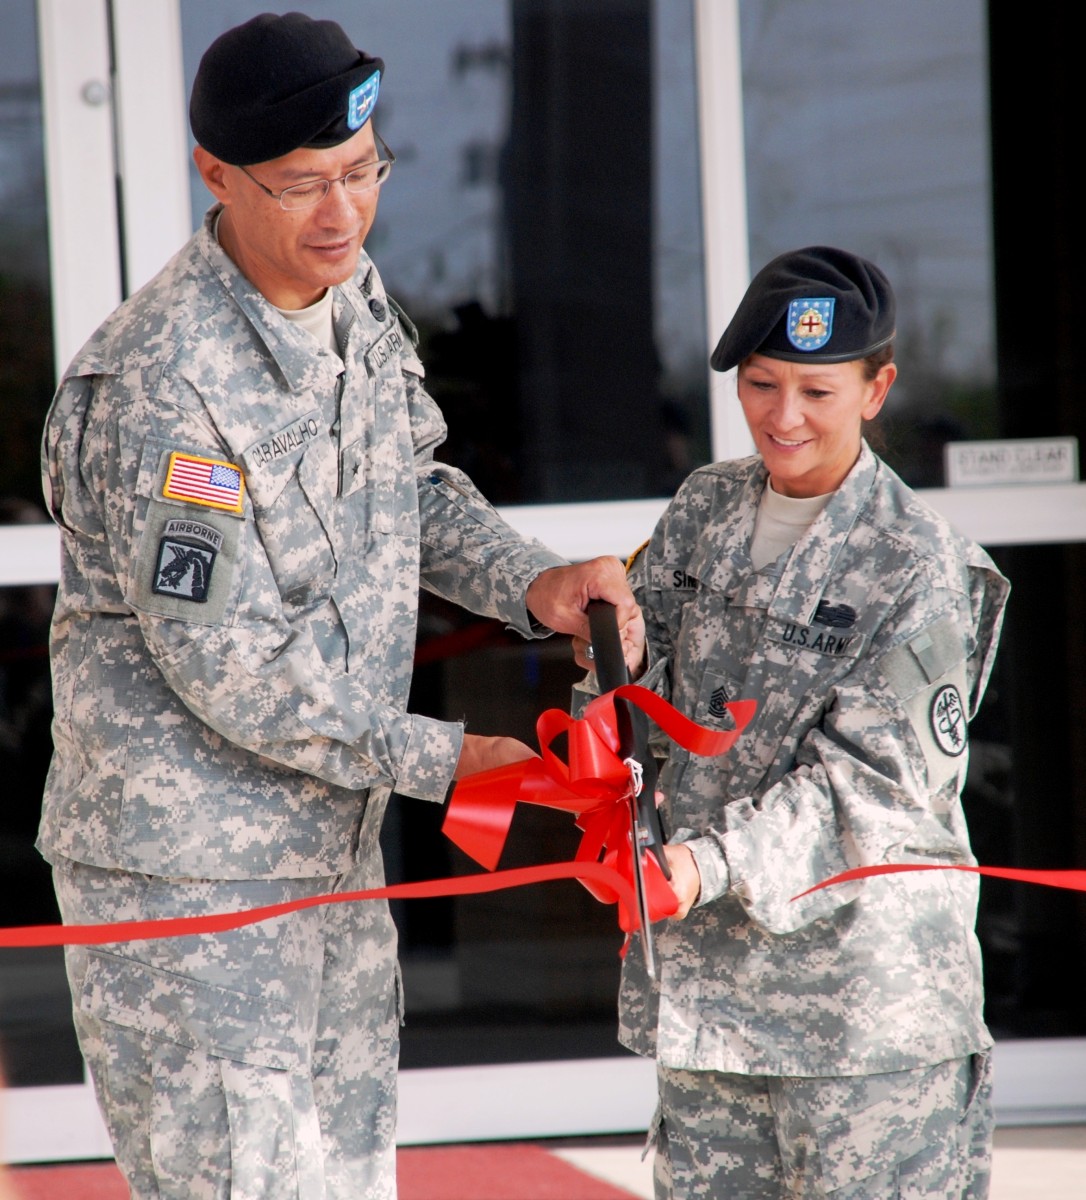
(131, 154)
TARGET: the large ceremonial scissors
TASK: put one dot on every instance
(646, 832)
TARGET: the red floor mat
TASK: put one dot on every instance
(505, 1171)
(80, 1181)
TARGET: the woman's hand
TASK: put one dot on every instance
(685, 877)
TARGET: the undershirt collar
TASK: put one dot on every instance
(780, 522)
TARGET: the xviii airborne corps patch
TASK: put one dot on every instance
(186, 555)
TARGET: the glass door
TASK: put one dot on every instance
(876, 128)
(41, 243)
(568, 349)
(67, 258)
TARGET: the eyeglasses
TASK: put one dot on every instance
(313, 191)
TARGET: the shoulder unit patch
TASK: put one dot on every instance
(186, 555)
(636, 554)
(947, 717)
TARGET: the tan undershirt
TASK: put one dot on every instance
(780, 523)
(316, 319)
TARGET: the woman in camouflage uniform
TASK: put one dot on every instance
(832, 1044)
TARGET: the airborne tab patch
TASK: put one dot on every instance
(205, 481)
(186, 555)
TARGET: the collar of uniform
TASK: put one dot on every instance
(722, 554)
(811, 567)
(290, 348)
(367, 294)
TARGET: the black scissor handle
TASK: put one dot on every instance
(633, 725)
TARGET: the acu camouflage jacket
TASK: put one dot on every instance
(245, 522)
(868, 648)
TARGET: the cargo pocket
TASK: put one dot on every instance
(200, 1016)
(656, 1139)
(399, 1002)
(229, 1089)
(925, 1116)
(656, 1143)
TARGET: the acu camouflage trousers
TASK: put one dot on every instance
(905, 1135)
(256, 1064)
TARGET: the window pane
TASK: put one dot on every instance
(26, 346)
(37, 1043)
(1025, 798)
(542, 229)
(866, 127)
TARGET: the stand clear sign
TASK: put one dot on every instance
(1021, 460)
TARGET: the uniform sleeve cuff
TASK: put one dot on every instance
(521, 621)
(428, 763)
(711, 863)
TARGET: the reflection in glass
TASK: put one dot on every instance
(37, 1044)
(541, 229)
(867, 127)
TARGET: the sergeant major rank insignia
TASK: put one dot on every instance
(810, 322)
(186, 555)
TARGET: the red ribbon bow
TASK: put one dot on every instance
(594, 786)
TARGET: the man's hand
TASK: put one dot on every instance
(558, 597)
(484, 753)
(685, 877)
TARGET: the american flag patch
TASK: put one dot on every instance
(204, 481)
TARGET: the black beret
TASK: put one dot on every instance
(276, 83)
(817, 303)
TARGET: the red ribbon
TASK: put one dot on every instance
(594, 786)
(596, 874)
(591, 787)
(592, 875)
(1073, 880)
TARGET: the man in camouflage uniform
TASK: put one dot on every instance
(831, 1045)
(241, 464)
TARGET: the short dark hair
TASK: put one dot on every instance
(873, 363)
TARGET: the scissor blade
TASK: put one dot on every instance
(641, 894)
(633, 748)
